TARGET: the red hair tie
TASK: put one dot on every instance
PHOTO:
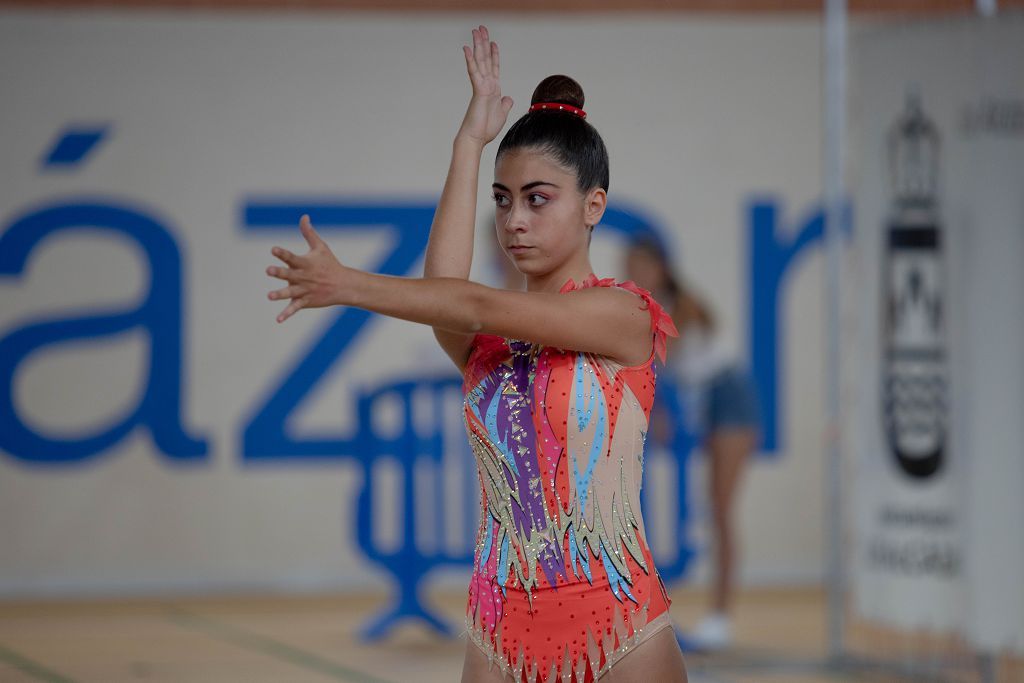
(558, 106)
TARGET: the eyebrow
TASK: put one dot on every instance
(527, 186)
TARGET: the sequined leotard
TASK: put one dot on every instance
(563, 581)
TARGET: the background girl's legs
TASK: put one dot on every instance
(732, 420)
(728, 450)
(728, 453)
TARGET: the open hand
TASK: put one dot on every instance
(488, 110)
(314, 280)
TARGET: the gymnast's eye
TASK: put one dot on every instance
(500, 200)
(537, 199)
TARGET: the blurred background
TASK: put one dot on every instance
(190, 492)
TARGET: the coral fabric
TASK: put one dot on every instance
(563, 581)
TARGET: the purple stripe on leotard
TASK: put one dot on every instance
(527, 465)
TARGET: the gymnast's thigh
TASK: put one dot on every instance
(476, 668)
(656, 659)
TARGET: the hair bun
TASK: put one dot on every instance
(560, 89)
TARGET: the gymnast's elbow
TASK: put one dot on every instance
(479, 310)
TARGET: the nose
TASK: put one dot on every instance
(515, 220)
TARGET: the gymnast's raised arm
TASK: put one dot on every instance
(546, 207)
(450, 248)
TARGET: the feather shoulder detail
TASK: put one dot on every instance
(662, 326)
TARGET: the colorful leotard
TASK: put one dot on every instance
(563, 581)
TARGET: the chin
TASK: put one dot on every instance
(527, 268)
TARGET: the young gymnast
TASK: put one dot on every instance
(558, 384)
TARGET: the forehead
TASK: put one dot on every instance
(519, 167)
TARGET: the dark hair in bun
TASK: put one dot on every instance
(568, 138)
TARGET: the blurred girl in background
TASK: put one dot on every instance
(721, 399)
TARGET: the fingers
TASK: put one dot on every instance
(280, 273)
(506, 104)
(288, 257)
(297, 293)
(482, 50)
(306, 227)
(294, 307)
(291, 260)
(292, 292)
(478, 48)
(482, 60)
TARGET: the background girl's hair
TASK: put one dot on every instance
(656, 249)
(574, 143)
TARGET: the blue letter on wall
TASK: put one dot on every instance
(773, 253)
(265, 437)
(159, 314)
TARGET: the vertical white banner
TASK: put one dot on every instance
(991, 258)
(938, 131)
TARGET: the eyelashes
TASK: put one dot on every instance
(534, 199)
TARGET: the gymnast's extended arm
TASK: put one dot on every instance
(603, 320)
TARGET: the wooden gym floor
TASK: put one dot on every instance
(780, 637)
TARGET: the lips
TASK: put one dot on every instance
(518, 248)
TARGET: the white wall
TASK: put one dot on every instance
(205, 112)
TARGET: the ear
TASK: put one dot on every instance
(594, 205)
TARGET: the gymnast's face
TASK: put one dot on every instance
(540, 215)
